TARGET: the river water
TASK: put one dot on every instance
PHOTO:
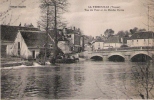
(83, 80)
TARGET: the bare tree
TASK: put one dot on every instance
(6, 16)
(144, 78)
(51, 19)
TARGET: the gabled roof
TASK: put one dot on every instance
(8, 33)
(35, 39)
(143, 35)
(113, 39)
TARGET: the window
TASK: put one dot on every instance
(137, 40)
(19, 48)
(18, 45)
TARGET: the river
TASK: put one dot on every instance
(83, 80)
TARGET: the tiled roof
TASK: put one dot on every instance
(35, 39)
(142, 35)
(113, 39)
(8, 33)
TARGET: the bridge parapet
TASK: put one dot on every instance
(127, 54)
(147, 48)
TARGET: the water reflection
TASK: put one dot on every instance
(70, 81)
(42, 82)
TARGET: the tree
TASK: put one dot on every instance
(144, 78)
(121, 33)
(135, 29)
(108, 32)
(51, 17)
(53, 9)
(6, 16)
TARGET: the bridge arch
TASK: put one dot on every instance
(141, 56)
(96, 57)
(117, 57)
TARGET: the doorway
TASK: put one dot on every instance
(33, 54)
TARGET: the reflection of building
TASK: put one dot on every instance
(141, 39)
(8, 36)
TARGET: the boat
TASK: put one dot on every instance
(66, 58)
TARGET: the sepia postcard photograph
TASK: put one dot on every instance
(77, 49)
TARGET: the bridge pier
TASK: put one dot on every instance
(127, 58)
(105, 58)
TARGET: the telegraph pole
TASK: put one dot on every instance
(55, 27)
(148, 17)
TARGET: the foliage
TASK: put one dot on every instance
(135, 29)
(123, 33)
(108, 32)
(42, 53)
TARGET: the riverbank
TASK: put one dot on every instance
(14, 61)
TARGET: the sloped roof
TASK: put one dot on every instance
(143, 35)
(35, 39)
(52, 33)
(8, 33)
(99, 40)
(71, 31)
(113, 39)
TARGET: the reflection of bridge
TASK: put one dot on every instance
(123, 54)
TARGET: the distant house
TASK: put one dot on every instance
(113, 42)
(141, 39)
(28, 44)
(75, 37)
(98, 44)
(8, 36)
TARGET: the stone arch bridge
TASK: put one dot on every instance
(122, 54)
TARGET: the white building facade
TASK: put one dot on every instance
(113, 42)
(141, 39)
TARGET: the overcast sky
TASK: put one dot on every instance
(90, 22)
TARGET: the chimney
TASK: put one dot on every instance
(20, 24)
(74, 28)
(25, 25)
(78, 29)
(38, 27)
